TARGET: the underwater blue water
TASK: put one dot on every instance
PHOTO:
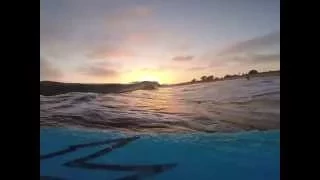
(253, 155)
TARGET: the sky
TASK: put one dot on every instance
(169, 41)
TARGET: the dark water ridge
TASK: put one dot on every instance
(49, 88)
(226, 106)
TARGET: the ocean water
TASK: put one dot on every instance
(225, 106)
(221, 130)
(202, 156)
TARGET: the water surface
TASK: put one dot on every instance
(224, 106)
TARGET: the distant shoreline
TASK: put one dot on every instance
(50, 88)
(231, 77)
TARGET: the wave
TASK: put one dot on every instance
(215, 107)
(48, 88)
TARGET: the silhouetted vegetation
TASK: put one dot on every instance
(53, 88)
(203, 78)
(227, 76)
(209, 78)
(231, 76)
(253, 72)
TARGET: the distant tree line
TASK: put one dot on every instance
(253, 72)
(228, 76)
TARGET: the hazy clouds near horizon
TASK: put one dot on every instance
(178, 40)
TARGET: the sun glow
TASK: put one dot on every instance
(162, 77)
(148, 78)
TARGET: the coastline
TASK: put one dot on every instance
(50, 88)
(233, 77)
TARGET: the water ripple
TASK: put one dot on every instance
(226, 106)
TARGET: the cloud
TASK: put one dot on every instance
(139, 37)
(254, 58)
(97, 71)
(161, 68)
(254, 44)
(182, 58)
(48, 71)
(110, 52)
(168, 66)
(211, 59)
(265, 57)
(110, 64)
(127, 45)
(259, 50)
(68, 28)
(196, 68)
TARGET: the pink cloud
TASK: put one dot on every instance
(182, 58)
(111, 52)
(98, 71)
(138, 37)
(48, 71)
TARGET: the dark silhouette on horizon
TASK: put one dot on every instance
(50, 88)
(211, 78)
(252, 72)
